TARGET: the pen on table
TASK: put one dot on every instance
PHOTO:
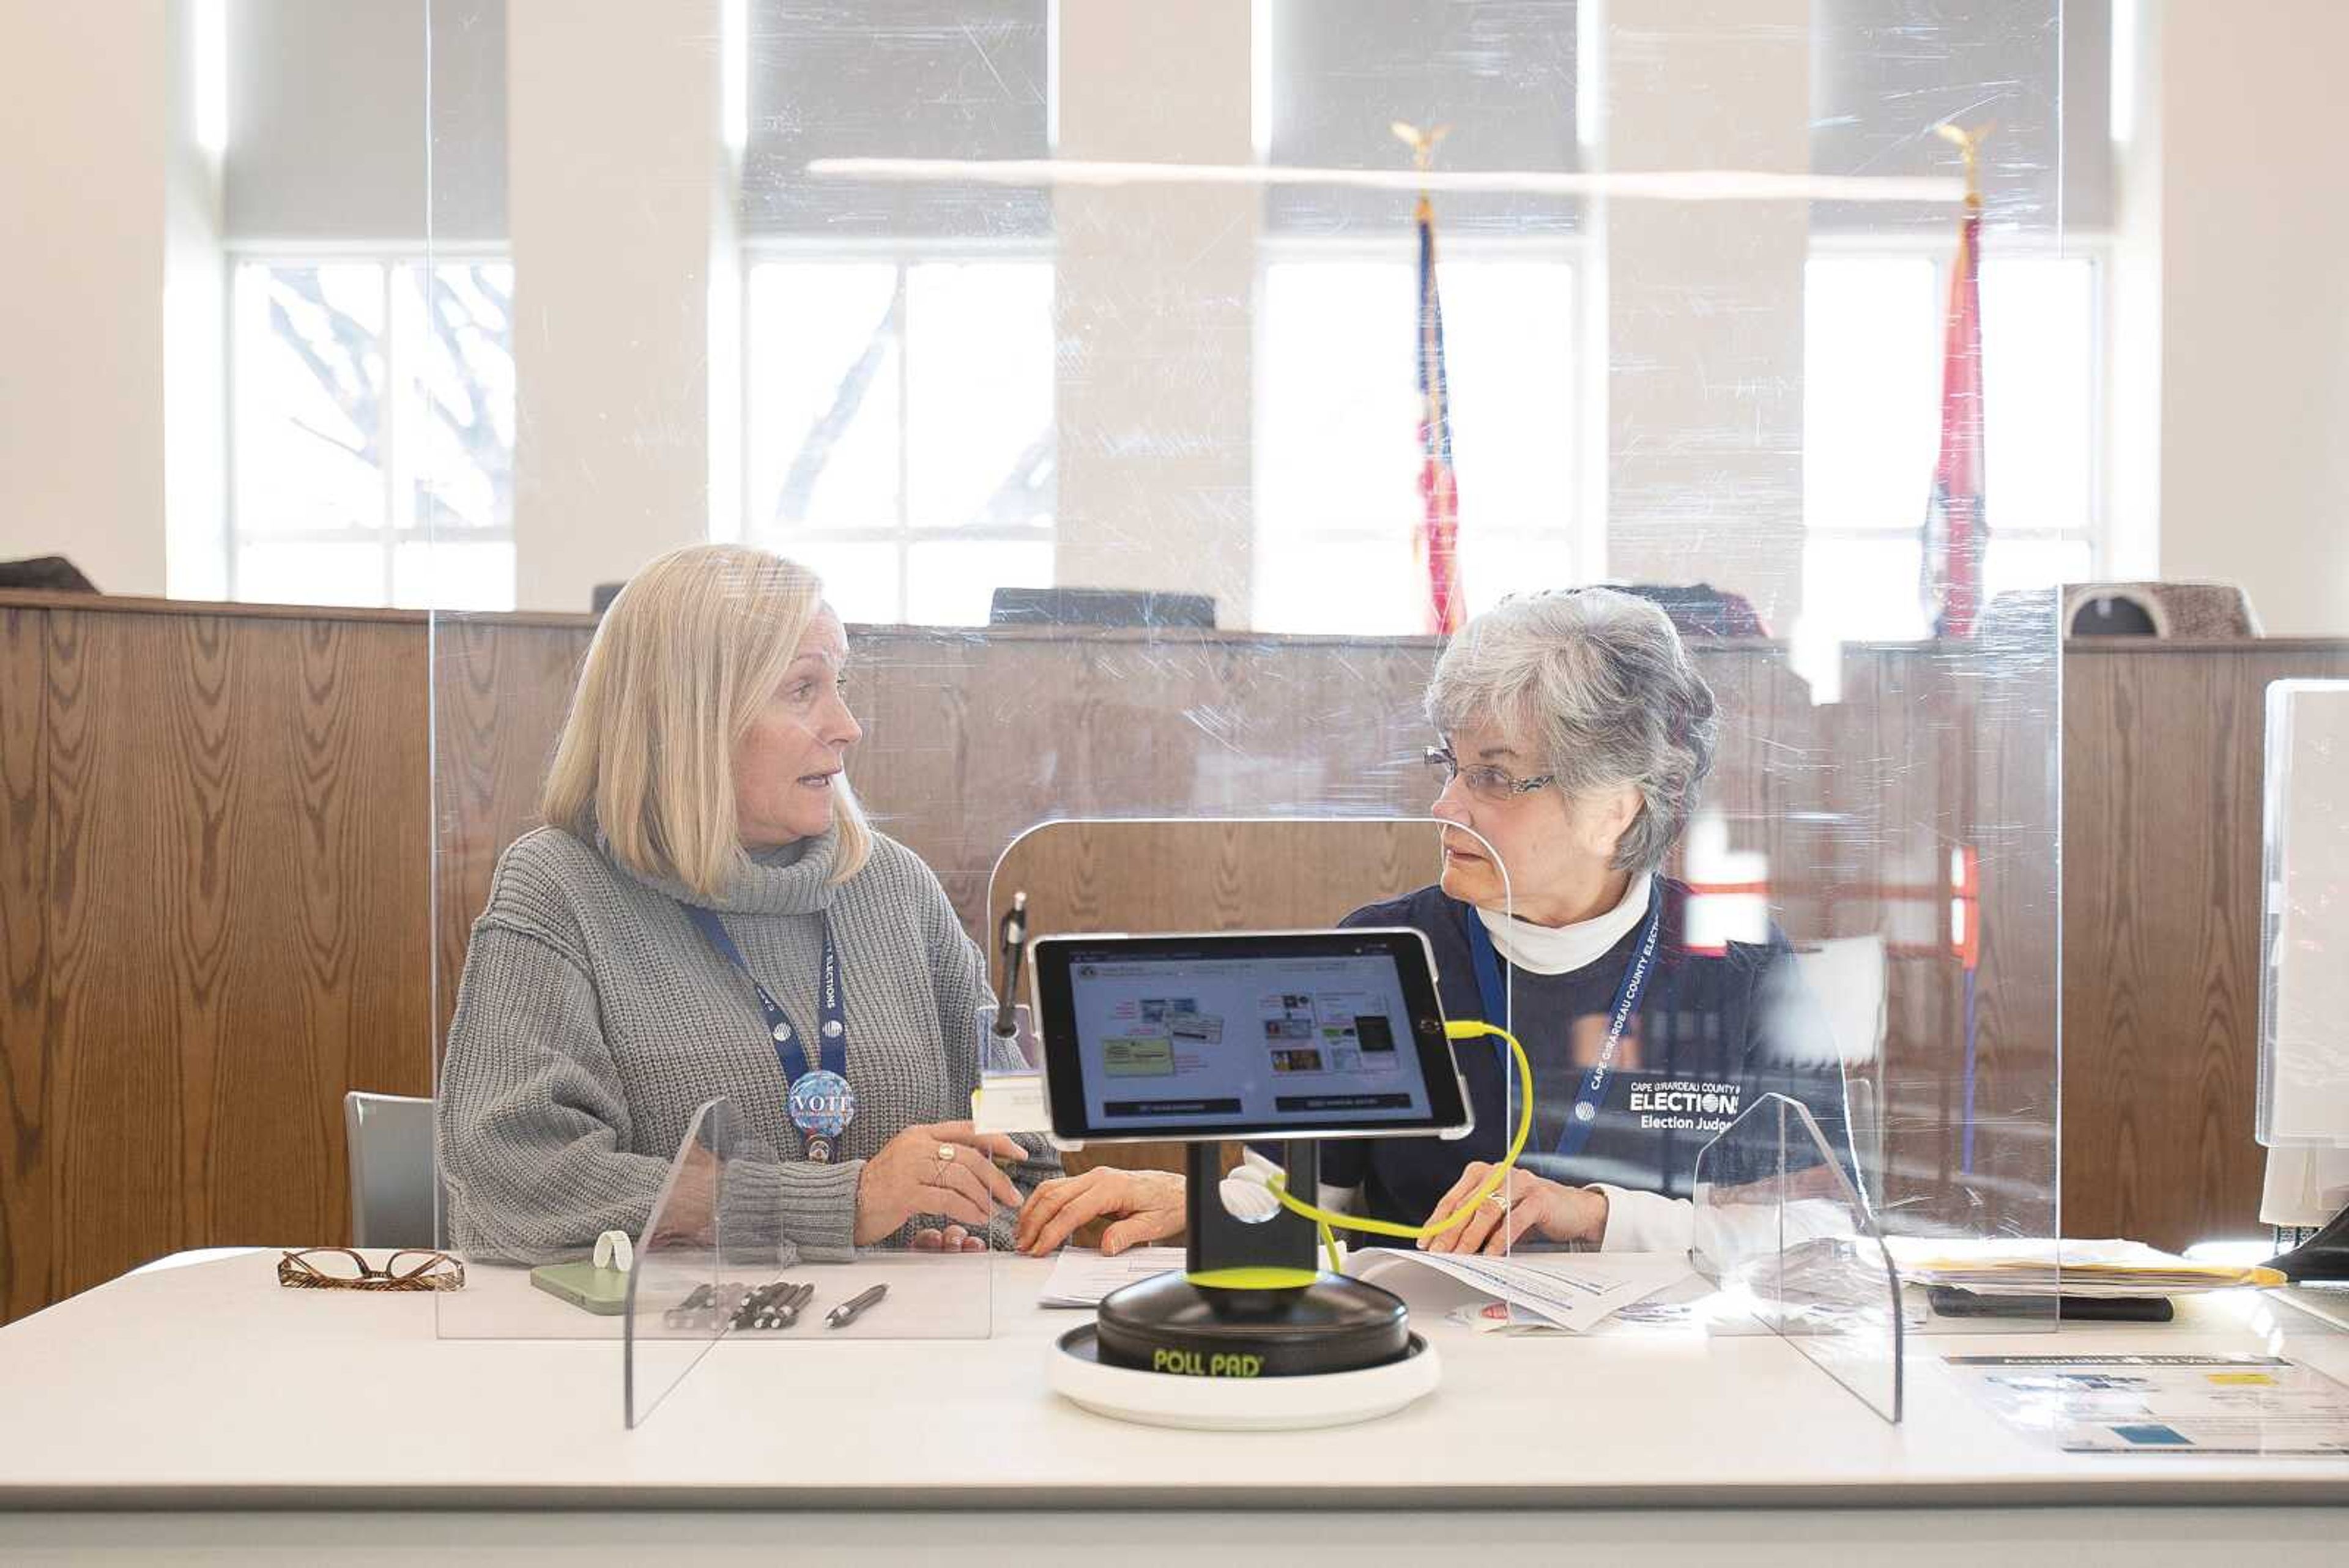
(849, 1311)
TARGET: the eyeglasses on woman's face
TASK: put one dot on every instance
(1493, 786)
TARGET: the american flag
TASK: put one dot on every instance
(1438, 540)
(1954, 523)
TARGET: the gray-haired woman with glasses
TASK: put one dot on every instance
(1575, 735)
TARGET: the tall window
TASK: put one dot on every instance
(900, 436)
(373, 438)
(1337, 449)
(1871, 418)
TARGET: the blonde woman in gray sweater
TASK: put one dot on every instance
(707, 913)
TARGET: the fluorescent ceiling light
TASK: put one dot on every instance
(1663, 185)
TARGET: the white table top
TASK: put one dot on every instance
(209, 1386)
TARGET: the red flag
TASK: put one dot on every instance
(1438, 541)
(1955, 527)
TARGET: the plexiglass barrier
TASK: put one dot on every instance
(1782, 1230)
(1161, 454)
(694, 1270)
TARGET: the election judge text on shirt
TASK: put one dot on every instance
(1575, 735)
(707, 913)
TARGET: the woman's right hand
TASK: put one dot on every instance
(908, 1178)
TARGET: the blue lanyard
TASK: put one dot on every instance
(832, 1015)
(1584, 1115)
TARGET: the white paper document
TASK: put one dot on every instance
(2023, 1266)
(2163, 1404)
(1082, 1279)
(1572, 1290)
(1010, 1103)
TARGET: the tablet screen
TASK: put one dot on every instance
(1286, 1035)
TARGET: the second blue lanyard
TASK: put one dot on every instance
(1593, 1093)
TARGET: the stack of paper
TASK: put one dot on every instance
(2043, 1267)
(1080, 1279)
(1572, 1290)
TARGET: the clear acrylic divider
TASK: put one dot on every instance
(1783, 1232)
(1181, 431)
(699, 1267)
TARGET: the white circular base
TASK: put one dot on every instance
(1239, 1404)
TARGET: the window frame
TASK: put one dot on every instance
(389, 255)
(904, 253)
(2099, 250)
(1573, 249)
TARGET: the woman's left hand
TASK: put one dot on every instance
(1524, 1208)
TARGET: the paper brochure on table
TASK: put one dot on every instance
(2164, 1404)
(2043, 1267)
(1080, 1279)
(1572, 1291)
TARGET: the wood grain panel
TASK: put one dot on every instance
(230, 922)
(238, 815)
(2164, 752)
(500, 692)
(122, 848)
(27, 1151)
(972, 739)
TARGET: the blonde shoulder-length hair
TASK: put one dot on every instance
(685, 656)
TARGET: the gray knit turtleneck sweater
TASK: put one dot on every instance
(593, 1019)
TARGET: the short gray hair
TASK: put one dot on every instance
(1600, 682)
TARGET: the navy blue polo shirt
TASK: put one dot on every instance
(1714, 1030)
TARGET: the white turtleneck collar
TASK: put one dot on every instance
(1562, 950)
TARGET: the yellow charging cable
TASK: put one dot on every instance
(1327, 1219)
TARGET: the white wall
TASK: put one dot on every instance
(1153, 305)
(2255, 307)
(1704, 299)
(195, 333)
(84, 111)
(613, 146)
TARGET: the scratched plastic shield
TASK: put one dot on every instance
(1166, 438)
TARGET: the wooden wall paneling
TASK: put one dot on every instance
(313, 904)
(225, 928)
(2165, 750)
(944, 745)
(2010, 686)
(1883, 805)
(971, 739)
(1213, 875)
(235, 886)
(2105, 1026)
(128, 840)
(367, 858)
(2162, 948)
(28, 1197)
(500, 692)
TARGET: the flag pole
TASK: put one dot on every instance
(1956, 530)
(1959, 485)
(1439, 531)
(1969, 146)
